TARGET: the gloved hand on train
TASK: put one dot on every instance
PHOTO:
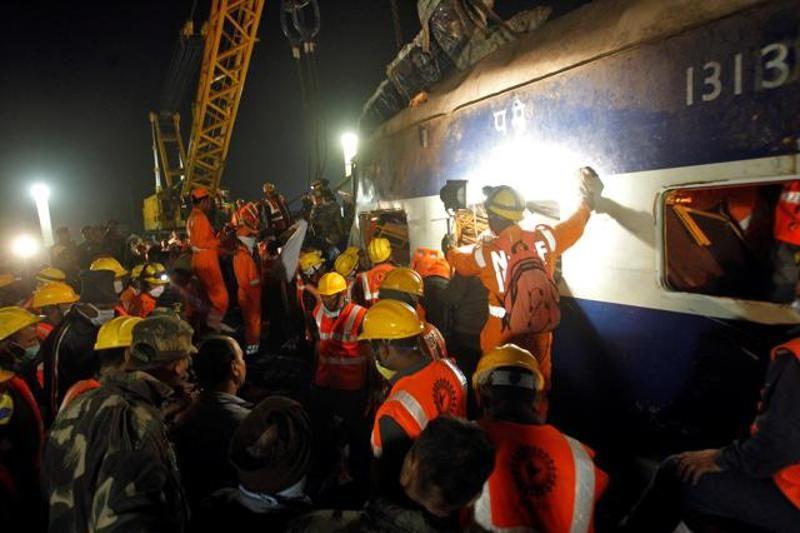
(591, 187)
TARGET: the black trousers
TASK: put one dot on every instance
(755, 502)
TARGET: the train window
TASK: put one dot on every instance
(389, 223)
(718, 240)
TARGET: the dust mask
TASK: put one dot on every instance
(156, 291)
(118, 286)
(387, 373)
(103, 316)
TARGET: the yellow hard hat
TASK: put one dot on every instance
(506, 202)
(504, 356)
(50, 274)
(379, 249)
(403, 279)
(155, 274)
(116, 333)
(352, 250)
(345, 264)
(14, 319)
(136, 271)
(310, 261)
(390, 320)
(109, 263)
(54, 293)
(331, 283)
(7, 278)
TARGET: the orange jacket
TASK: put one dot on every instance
(543, 480)
(201, 234)
(371, 281)
(248, 279)
(78, 388)
(277, 213)
(141, 304)
(415, 400)
(787, 214)
(434, 343)
(787, 479)
(341, 364)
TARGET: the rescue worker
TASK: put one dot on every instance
(346, 264)
(154, 281)
(340, 377)
(379, 251)
(406, 285)
(21, 429)
(309, 273)
(274, 210)
(490, 258)
(113, 340)
(754, 480)
(53, 301)
(205, 257)
(543, 480)
(326, 224)
(786, 273)
(130, 297)
(421, 389)
(247, 269)
(436, 273)
(23, 345)
(108, 461)
(109, 263)
(68, 353)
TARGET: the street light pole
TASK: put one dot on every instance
(41, 195)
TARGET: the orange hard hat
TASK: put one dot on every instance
(199, 193)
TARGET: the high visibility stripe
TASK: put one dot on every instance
(412, 406)
(342, 361)
(583, 503)
(368, 295)
(548, 235)
(791, 197)
(255, 282)
(497, 311)
(351, 319)
(478, 255)
(458, 374)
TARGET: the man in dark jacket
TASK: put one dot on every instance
(68, 352)
(754, 480)
(203, 435)
(108, 465)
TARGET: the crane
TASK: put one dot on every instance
(228, 36)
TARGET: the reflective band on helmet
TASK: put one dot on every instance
(583, 503)
(497, 311)
(512, 379)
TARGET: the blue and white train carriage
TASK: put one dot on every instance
(690, 112)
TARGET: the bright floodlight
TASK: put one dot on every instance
(41, 195)
(350, 148)
(24, 247)
(40, 191)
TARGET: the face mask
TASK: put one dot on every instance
(103, 316)
(248, 241)
(31, 352)
(118, 287)
(156, 291)
(6, 408)
(387, 373)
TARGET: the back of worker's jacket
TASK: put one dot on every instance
(438, 388)
(787, 214)
(340, 364)
(371, 281)
(205, 262)
(543, 481)
(248, 281)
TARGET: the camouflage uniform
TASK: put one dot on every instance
(108, 463)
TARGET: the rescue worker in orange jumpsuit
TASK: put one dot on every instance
(340, 377)
(543, 480)
(205, 257)
(436, 274)
(154, 282)
(274, 210)
(369, 282)
(346, 264)
(129, 299)
(786, 273)
(247, 268)
(489, 258)
(405, 285)
(755, 480)
(421, 389)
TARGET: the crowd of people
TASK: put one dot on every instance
(186, 385)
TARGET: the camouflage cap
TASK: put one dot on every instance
(159, 340)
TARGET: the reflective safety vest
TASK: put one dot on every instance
(415, 400)
(543, 480)
(434, 343)
(340, 365)
(278, 213)
(43, 330)
(787, 479)
(787, 214)
(371, 281)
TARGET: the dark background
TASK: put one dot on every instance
(79, 78)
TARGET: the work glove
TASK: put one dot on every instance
(591, 187)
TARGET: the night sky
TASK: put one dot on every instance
(80, 77)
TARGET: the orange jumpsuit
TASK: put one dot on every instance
(205, 264)
(489, 261)
(248, 278)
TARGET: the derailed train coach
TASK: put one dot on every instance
(690, 112)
